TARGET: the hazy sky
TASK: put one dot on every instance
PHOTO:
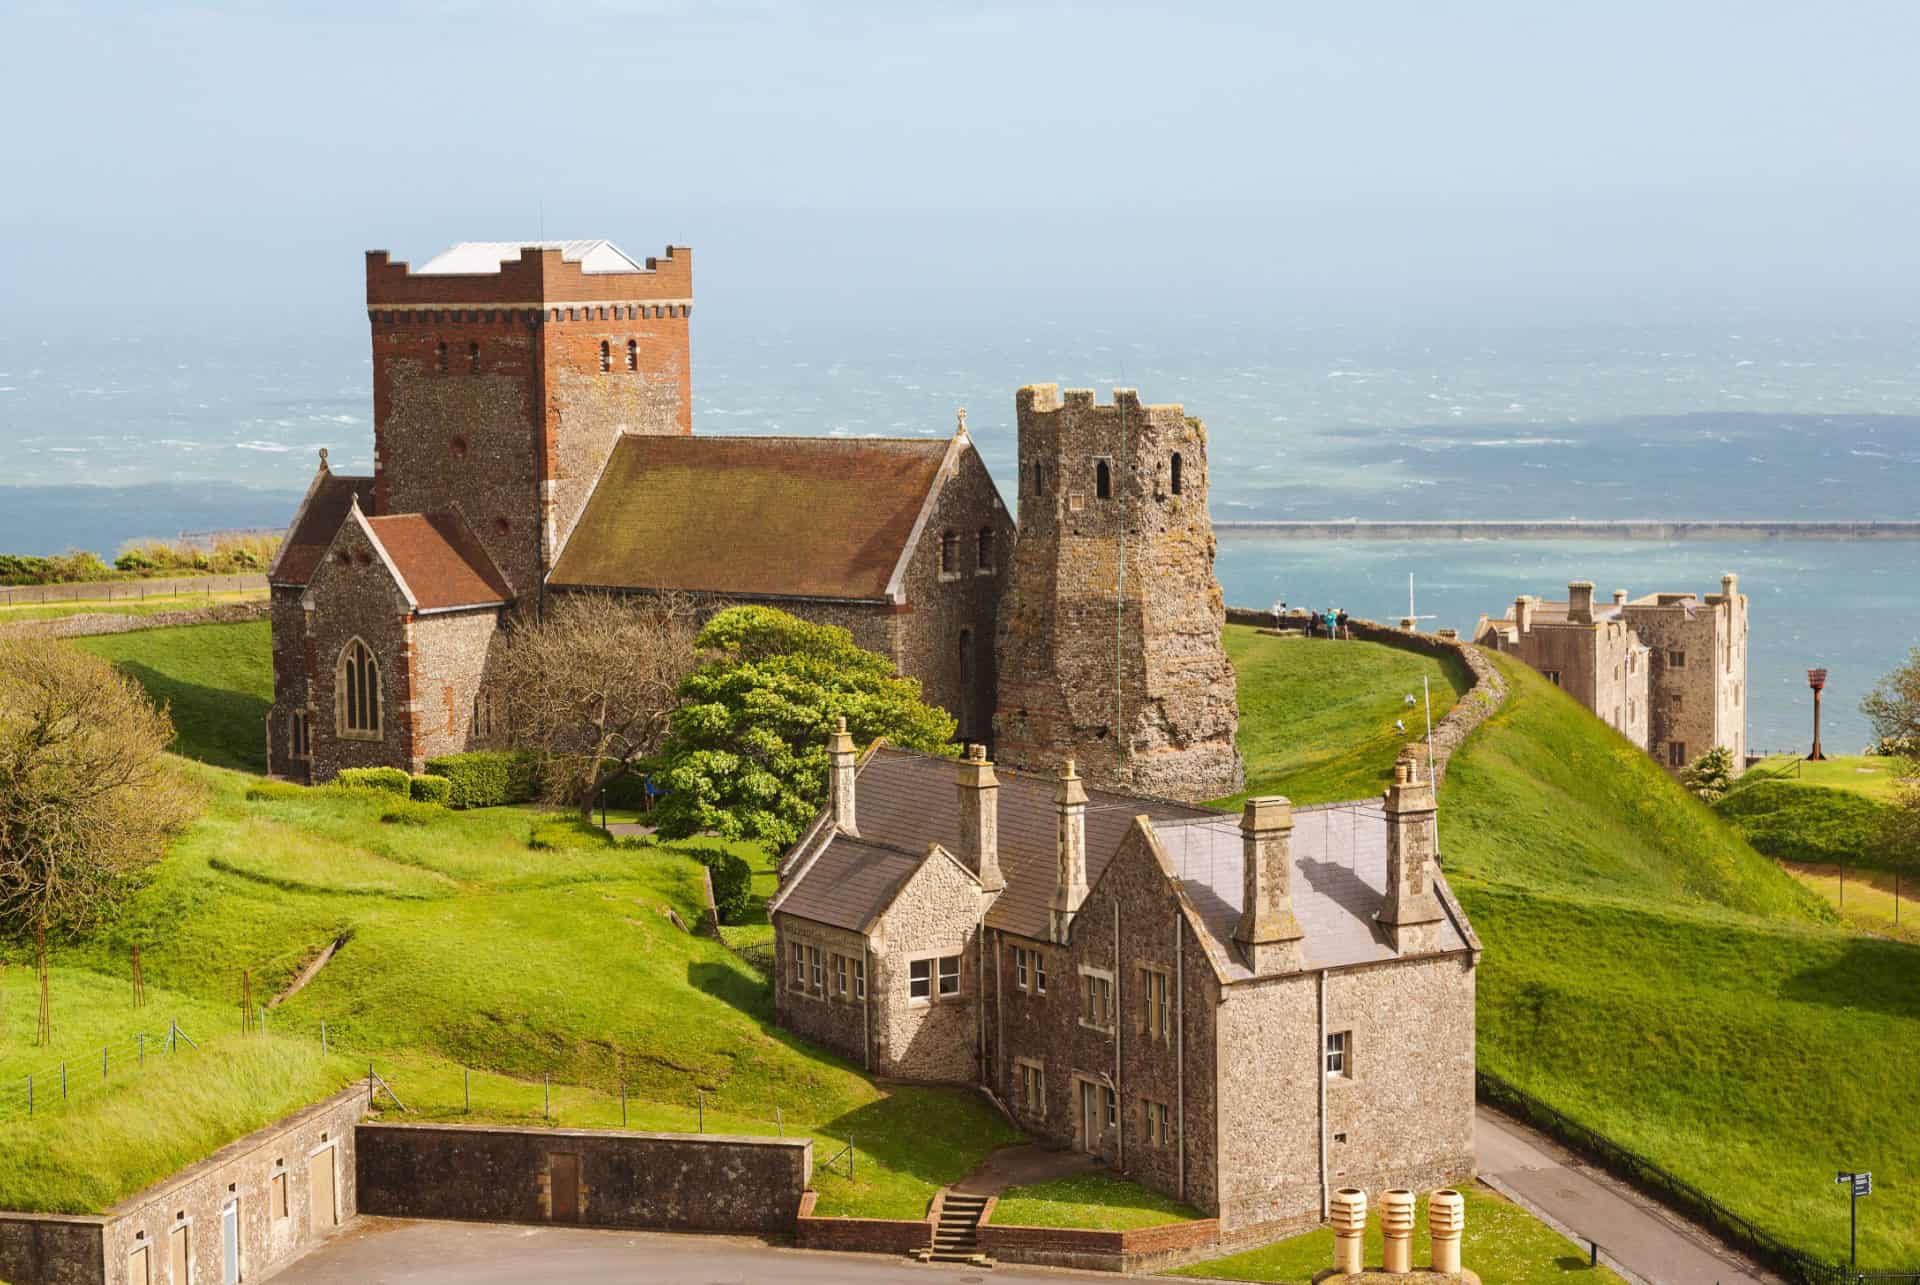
(910, 159)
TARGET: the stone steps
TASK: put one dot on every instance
(956, 1239)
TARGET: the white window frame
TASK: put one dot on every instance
(859, 977)
(1156, 1011)
(798, 982)
(1096, 982)
(1112, 1100)
(840, 981)
(817, 970)
(947, 970)
(920, 974)
(1021, 972)
(1338, 1055)
(1032, 1083)
(1039, 972)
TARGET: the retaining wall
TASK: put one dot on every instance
(586, 1177)
(1139, 1249)
(860, 1235)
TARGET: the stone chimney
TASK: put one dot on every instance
(1412, 914)
(1523, 613)
(1729, 586)
(1619, 597)
(1070, 887)
(980, 818)
(1580, 602)
(1268, 933)
(840, 760)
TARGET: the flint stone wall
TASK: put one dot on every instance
(671, 1181)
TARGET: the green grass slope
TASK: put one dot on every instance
(1815, 823)
(216, 679)
(1872, 775)
(1317, 716)
(1650, 974)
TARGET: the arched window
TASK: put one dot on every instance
(1176, 472)
(357, 692)
(633, 354)
(606, 357)
(949, 552)
(440, 356)
(1103, 480)
(473, 358)
(985, 554)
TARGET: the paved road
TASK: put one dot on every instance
(380, 1251)
(1634, 1233)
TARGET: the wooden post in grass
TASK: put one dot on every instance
(702, 1105)
(139, 981)
(623, 1104)
(466, 1091)
(63, 1080)
(103, 1061)
(546, 1096)
(246, 1000)
(779, 1125)
(142, 1039)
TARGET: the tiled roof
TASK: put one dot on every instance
(806, 517)
(851, 883)
(1339, 882)
(317, 523)
(441, 562)
(468, 258)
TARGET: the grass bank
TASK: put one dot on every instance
(216, 679)
(156, 605)
(1095, 1200)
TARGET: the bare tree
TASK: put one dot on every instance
(87, 796)
(592, 684)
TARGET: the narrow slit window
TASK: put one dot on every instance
(949, 552)
(473, 358)
(1174, 473)
(633, 355)
(984, 552)
(440, 356)
(1102, 480)
(606, 357)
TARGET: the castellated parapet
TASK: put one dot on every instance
(1108, 638)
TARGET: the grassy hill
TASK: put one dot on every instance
(217, 679)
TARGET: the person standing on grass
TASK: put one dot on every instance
(1343, 625)
(1333, 628)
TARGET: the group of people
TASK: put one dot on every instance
(1330, 623)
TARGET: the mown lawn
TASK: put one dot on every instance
(1817, 823)
(1094, 1200)
(123, 606)
(1502, 1243)
(1317, 717)
(1872, 775)
(216, 679)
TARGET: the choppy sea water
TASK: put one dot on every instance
(154, 430)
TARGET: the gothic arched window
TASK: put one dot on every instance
(357, 691)
(1103, 480)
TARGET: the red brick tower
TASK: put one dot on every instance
(503, 374)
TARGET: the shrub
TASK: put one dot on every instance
(430, 789)
(391, 780)
(78, 564)
(1710, 776)
(24, 568)
(411, 813)
(277, 792)
(487, 778)
(732, 880)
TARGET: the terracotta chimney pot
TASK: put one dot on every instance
(1446, 1220)
(1397, 1216)
(1348, 1209)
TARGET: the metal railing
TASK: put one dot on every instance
(1676, 1193)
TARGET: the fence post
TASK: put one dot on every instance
(1593, 1253)
(142, 1037)
(703, 1109)
(623, 1104)
(466, 1091)
(323, 1037)
(546, 1096)
(369, 1083)
(103, 1060)
(779, 1124)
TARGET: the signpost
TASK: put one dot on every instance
(1816, 679)
(1858, 1184)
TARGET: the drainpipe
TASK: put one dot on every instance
(1180, 1045)
(1320, 1067)
(866, 1007)
(1119, 1021)
(980, 990)
(999, 1017)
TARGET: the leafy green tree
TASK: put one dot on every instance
(746, 755)
(1711, 775)
(1893, 707)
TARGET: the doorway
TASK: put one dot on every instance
(1090, 1117)
(177, 1260)
(230, 1244)
(322, 1212)
(563, 1169)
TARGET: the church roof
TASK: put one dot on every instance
(469, 258)
(440, 564)
(796, 517)
(319, 517)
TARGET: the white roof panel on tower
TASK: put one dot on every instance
(477, 258)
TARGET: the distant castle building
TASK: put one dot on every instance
(1109, 636)
(1667, 671)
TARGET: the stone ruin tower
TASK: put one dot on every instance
(1108, 640)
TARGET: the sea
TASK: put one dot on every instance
(151, 429)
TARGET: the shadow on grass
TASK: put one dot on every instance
(213, 724)
(741, 987)
(1881, 976)
(937, 1135)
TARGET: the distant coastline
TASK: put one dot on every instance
(1647, 529)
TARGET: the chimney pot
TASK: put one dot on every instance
(1580, 602)
(980, 818)
(1619, 597)
(1070, 851)
(1268, 933)
(1412, 913)
(840, 777)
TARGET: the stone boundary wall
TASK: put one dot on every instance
(132, 590)
(53, 1249)
(1488, 693)
(1138, 1249)
(663, 1181)
(104, 622)
(860, 1235)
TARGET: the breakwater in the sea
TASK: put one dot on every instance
(1661, 529)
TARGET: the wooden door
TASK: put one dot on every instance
(322, 1211)
(177, 1255)
(138, 1273)
(1089, 1116)
(230, 1245)
(564, 1173)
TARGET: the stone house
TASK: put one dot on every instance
(533, 416)
(1242, 1014)
(1668, 670)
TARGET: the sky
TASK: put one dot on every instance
(915, 160)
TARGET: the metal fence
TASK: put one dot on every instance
(132, 590)
(1798, 1267)
(68, 1078)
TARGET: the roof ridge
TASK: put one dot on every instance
(1200, 810)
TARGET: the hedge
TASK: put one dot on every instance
(732, 880)
(430, 789)
(390, 779)
(487, 778)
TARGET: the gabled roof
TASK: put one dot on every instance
(797, 517)
(440, 564)
(470, 258)
(315, 523)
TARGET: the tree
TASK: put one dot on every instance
(1711, 775)
(1893, 706)
(747, 754)
(87, 797)
(591, 685)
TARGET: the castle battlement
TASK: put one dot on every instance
(1036, 400)
(541, 276)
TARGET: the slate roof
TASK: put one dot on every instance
(800, 517)
(441, 564)
(469, 258)
(317, 522)
(904, 801)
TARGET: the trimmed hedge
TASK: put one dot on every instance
(390, 779)
(407, 812)
(430, 789)
(487, 778)
(732, 879)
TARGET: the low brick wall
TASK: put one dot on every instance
(96, 623)
(1488, 692)
(670, 1181)
(1135, 1250)
(860, 1235)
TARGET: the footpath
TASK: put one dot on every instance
(1638, 1238)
